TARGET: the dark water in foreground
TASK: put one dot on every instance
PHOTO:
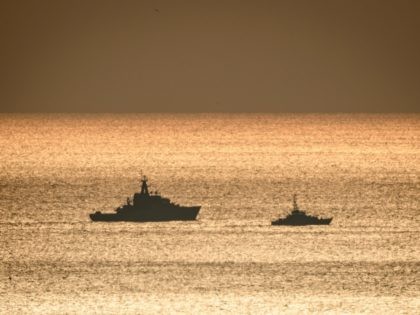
(364, 170)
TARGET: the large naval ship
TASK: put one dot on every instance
(299, 217)
(148, 207)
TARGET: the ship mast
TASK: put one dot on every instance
(295, 206)
(144, 188)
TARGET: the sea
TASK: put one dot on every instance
(363, 170)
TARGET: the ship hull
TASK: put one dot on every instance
(302, 222)
(179, 214)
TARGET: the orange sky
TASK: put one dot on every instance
(205, 56)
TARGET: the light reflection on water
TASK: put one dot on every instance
(361, 169)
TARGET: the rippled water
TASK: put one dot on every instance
(364, 170)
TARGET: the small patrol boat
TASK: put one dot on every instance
(299, 217)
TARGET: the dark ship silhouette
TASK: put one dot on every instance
(299, 217)
(148, 207)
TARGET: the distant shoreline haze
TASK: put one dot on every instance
(371, 113)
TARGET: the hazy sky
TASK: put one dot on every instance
(204, 56)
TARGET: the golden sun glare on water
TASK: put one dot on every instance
(242, 170)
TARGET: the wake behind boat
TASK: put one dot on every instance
(148, 207)
(299, 217)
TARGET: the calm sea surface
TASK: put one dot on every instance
(363, 170)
